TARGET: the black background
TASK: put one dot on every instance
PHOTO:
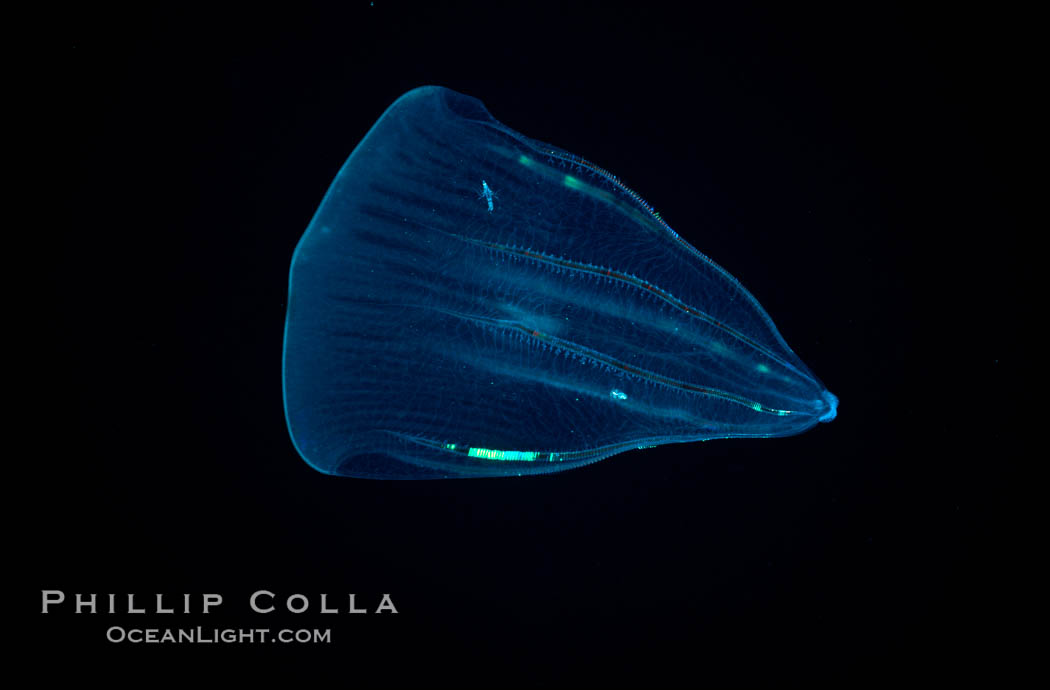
(850, 168)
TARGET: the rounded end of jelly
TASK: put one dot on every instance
(832, 403)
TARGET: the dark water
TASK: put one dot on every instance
(852, 169)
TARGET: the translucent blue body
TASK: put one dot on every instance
(469, 302)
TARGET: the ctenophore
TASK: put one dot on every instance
(470, 302)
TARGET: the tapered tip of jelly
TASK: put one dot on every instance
(832, 403)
